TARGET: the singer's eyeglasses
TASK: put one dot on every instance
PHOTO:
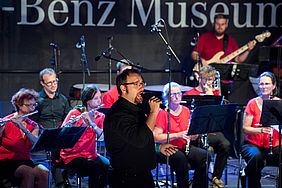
(141, 84)
(32, 104)
(54, 82)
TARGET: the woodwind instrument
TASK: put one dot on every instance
(2, 123)
(216, 84)
(187, 147)
(80, 116)
(271, 142)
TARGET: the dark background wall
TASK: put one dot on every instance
(27, 27)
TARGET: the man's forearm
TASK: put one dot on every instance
(151, 120)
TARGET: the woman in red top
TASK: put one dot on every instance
(179, 122)
(16, 140)
(256, 147)
(83, 157)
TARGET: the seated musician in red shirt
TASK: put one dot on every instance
(83, 157)
(256, 148)
(179, 123)
(17, 137)
(112, 95)
(217, 140)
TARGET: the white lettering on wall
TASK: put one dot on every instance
(24, 7)
(106, 14)
(52, 11)
(183, 14)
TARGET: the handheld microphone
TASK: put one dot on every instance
(81, 42)
(195, 39)
(103, 53)
(156, 25)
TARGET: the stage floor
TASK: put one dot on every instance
(268, 179)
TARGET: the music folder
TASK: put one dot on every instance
(201, 100)
(211, 118)
(271, 113)
(58, 138)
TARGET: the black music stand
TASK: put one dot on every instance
(209, 119)
(272, 115)
(57, 138)
(201, 100)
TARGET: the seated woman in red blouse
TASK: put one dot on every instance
(83, 157)
(16, 140)
(256, 147)
(179, 123)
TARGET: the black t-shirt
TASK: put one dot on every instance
(51, 112)
(129, 141)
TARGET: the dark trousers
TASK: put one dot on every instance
(256, 158)
(95, 169)
(129, 179)
(179, 162)
(221, 147)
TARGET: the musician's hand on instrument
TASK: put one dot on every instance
(251, 45)
(208, 89)
(168, 149)
(193, 137)
(89, 117)
(266, 130)
(154, 103)
(183, 135)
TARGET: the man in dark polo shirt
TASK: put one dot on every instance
(129, 134)
(52, 105)
(52, 110)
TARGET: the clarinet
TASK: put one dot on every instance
(271, 142)
(187, 147)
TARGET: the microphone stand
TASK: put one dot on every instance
(169, 53)
(110, 61)
(83, 60)
(129, 63)
(56, 63)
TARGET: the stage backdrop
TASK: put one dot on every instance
(28, 27)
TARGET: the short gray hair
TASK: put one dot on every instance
(46, 71)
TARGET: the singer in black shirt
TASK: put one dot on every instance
(129, 134)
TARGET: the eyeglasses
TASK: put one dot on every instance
(174, 94)
(32, 104)
(55, 82)
(142, 84)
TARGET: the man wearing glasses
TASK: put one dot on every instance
(129, 134)
(52, 108)
(52, 105)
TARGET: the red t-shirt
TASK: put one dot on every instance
(85, 146)
(194, 91)
(261, 139)
(14, 146)
(177, 124)
(209, 45)
(110, 97)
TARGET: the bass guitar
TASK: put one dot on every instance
(217, 57)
